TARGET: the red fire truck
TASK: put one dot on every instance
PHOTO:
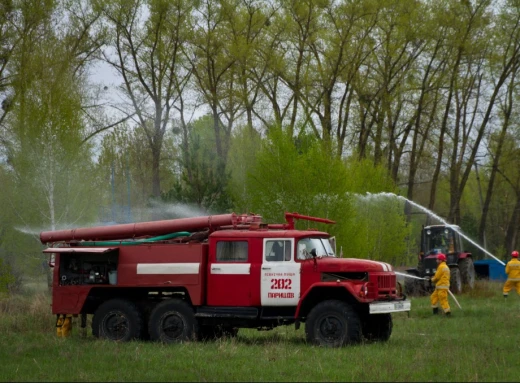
(205, 277)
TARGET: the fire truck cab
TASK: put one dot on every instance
(221, 273)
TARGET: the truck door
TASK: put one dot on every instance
(280, 274)
(229, 274)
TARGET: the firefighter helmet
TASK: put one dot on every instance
(441, 257)
(514, 254)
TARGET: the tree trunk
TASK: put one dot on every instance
(512, 228)
(496, 159)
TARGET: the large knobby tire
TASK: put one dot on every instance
(410, 286)
(414, 287)
(208, 332)
(118, 320)
(378, 327)
(455, 280)
(467, 272)
(333, 323)
(173, 321)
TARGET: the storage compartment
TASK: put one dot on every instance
(82, 268)
(490, 269)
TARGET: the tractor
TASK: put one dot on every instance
(444, 239)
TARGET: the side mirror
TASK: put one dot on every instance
(313, 253)
(332, 241)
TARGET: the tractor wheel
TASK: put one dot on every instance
(410, 287)
(208, 333)
(455, 280)
(467, 272)
(414, 287)
(118, 320)
(378, 327)
(173, 321)
(333, 323)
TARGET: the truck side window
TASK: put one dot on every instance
(287, 251)
(277, 251)
(232, 251)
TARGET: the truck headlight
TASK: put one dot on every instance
(364, 290)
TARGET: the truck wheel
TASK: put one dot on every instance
(455, 280)
(378, 327)
(173, 321)
(333, 323)
(467, 272)
(117, 320)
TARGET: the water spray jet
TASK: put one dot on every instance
(426, 279)
(370, 196)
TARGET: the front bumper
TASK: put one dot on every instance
(389, 307)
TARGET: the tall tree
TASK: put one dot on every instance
(507, 35)
(509, 203)
(465, 25)
(301, 20)
(247, 23)
(398, 42)
(9, 41)
(147, 54)
(46, 156)
(430, 82)
(470, 128)
(338, 52)
(214, 70)
(202, 181)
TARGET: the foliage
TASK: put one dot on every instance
(245, 146)
(203, 177)
(47, 170)
(412, 86)
(7, 279)
(124, 164)
(307, 178)
(380, 230)
(51, 163)
(145, 49)
(303, 178)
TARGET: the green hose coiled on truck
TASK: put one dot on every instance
(137, 242)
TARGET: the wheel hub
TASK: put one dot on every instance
(331, 328)
(116, 326)
(173, 326)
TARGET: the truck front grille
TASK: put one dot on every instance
(386, 285)
(386, 281)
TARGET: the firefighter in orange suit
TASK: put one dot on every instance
(442, 285)
(513, 275)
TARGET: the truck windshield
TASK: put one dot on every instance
(439, 241)
(321, 246)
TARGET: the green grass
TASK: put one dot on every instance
(479, 343)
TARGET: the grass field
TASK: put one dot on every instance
(479, 343)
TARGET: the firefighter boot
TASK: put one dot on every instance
(436, 310)
(59, 325)
(448, 314)
(66, 326)
(505, 296)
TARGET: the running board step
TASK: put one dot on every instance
(227, 312)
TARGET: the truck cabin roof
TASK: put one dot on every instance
(269, 234)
